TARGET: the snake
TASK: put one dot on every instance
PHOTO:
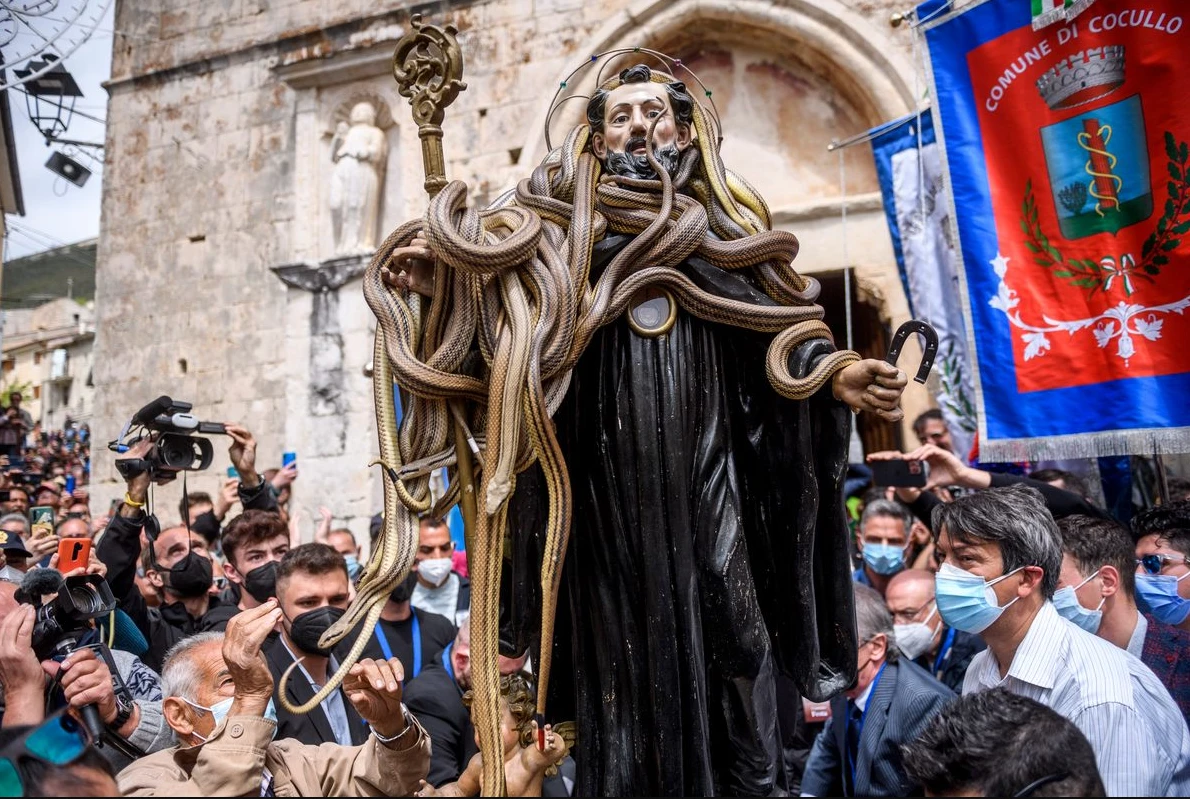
(513, 308)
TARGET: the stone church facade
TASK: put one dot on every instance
(234, 233)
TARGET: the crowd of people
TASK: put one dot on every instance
(1013, 640)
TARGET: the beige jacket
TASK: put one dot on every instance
(233, 762)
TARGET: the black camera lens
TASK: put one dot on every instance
(87, 599)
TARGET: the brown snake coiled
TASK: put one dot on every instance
(513, 310)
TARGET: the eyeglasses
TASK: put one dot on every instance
(58, 741)
(220, 583)
(1032, 787)
(1155, 561)
(907, 616)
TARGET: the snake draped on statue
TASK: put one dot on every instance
(647, 385)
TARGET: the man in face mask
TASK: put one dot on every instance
(253, 544)
(1162, 537)
(1001, 554)
(858, 753)
(218, 695)
(439, 589)
(883, 542)
(921, 634)
(1096, 591)
(312, 590)
(415, 636)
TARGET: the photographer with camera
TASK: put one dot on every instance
(50, 657)
(176, 561)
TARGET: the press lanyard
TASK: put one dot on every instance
(388, 652)
(944, 652)
(862, 718)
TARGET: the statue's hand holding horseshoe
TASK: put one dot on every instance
(872, 385)
(412, 267)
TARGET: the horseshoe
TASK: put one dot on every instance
(931, 348)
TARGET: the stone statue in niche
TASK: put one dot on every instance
(359, 150)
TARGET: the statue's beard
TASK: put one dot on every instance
(627, 165)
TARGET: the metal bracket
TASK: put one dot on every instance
(930, 352)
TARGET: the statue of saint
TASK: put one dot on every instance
(709, 549)
(359, 151)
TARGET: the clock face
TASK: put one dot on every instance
(35, 34)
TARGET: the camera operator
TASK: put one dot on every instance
(82, 678)
(177, 564)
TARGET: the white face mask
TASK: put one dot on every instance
(219, 712)
(914, 639)
(434, 570)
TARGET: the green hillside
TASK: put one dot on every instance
(34, 279)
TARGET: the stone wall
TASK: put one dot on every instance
(218, 157)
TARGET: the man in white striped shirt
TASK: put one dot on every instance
(1001, 554)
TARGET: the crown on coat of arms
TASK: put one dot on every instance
(1083, 77)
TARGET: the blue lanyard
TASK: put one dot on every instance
(863, 717)
(446, 660)
(944, 652)
(388, 652)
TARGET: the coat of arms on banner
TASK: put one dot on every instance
(1090, 193)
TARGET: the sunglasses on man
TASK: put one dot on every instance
(58, 741)
(1154, 562)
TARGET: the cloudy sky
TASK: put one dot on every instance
(57, 212)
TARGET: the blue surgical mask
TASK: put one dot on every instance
(1158, 594)
(220, 709)
(1067, 604)
(884, 559)
(353, 567)
(966, 601)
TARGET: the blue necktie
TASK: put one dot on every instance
(854, 726)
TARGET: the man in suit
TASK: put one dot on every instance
(1097, 591)
(921, 634)
(858, 753)
(312, 592)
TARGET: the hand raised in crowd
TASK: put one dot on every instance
(138, 485)
(872, 385)
(374, 687)
(323, 531)
(285, 476)
(228, 495)
(86, 680)
(947, 469)
(246, 632)
(42, 545)
(94, 565)
(412, 267)
(243, 454)
(21, 675)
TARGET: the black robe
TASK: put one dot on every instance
(708, 552)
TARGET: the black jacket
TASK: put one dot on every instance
(119, 548)
(313, 727)
(436, 701)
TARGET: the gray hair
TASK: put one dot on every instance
(16, 517)
(872, 618)
(180, 675)
(1014, 518)
(888, 508)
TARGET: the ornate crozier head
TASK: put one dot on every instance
(621, 111)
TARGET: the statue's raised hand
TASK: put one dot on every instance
(871, 385)
(412, 267)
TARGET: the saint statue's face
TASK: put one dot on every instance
(629, 111)
(363, 114)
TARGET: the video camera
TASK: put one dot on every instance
(176, 447)
(62, 621)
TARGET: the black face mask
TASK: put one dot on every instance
(404, 591)
(189, 577)
(261, 582)
(307, 628)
